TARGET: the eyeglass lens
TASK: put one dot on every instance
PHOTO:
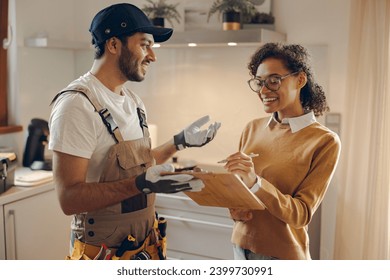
(273, 83)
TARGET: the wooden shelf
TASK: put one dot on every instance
(10, 129)
(218, 38)
(203, 38)
(56, 44)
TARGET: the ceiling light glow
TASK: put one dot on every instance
(232, 44)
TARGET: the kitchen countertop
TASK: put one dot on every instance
(17, 192)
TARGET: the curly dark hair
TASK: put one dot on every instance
(296, 59)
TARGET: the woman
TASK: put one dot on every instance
(297, 156)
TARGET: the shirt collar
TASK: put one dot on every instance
(296, 123)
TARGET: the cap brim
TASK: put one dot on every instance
(160, 34)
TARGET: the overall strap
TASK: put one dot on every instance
(107, 118)
(141, 115)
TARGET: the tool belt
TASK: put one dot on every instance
(148, 250)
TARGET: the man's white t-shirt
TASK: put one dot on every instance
(77, 129)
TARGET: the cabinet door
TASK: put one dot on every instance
(36, 228)
(2, 239)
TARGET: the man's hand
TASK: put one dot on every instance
(152, 182)
(193, 136)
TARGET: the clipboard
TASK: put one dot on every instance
(223, 190)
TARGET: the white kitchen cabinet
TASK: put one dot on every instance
(34, 226)
(195, 232)
(2, 238)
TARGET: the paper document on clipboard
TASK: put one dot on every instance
(224, 190)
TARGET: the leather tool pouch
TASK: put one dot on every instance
(153, 247)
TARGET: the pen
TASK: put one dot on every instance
(252, 155)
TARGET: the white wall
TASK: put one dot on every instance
(320, 22)
(184, 84)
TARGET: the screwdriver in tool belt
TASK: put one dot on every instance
(162, 228)
(127, 244)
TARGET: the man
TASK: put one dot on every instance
(105, 171)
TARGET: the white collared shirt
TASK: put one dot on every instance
(296, 123)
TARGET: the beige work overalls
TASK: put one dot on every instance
(98, 234)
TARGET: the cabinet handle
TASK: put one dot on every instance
(11, 248)
(196, 221)
(7, 41)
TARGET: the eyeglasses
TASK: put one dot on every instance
(273, 82)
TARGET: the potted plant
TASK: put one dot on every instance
(231, 11)
(159, 10)
(261, 18)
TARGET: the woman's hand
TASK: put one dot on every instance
(241, 215)
(242, 165)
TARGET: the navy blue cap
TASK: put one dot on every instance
(122, 19)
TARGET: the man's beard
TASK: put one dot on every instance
(128, 66)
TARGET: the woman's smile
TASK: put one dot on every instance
(269, 100)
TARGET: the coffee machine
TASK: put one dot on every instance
(37, 140)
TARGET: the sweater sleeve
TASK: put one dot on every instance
(297, 209)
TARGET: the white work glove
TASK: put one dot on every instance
(193, 136)
(152, 182)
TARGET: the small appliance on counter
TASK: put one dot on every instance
(37, 140)
(7, 171)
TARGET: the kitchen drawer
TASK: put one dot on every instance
(180, 201)
(193, 231)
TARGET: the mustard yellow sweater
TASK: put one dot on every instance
(296, 169)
